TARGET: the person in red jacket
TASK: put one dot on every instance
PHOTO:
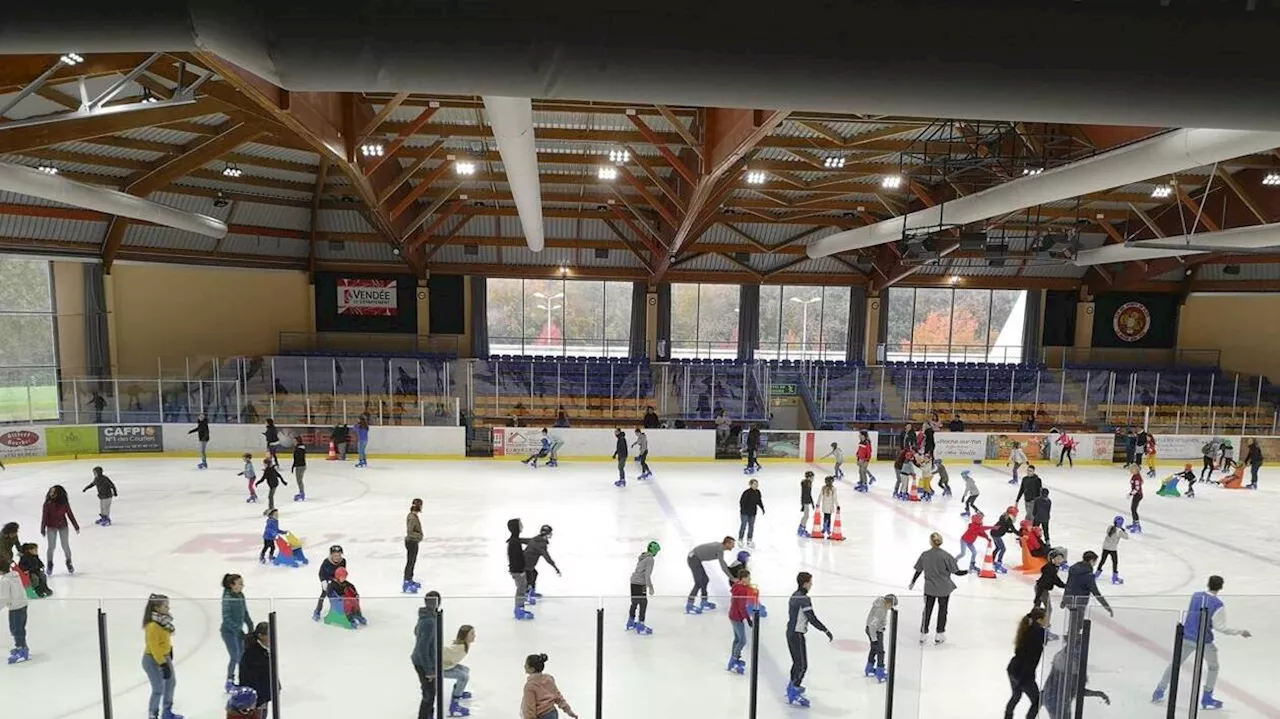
(53, 524)
(863, 457)
(740, 604)
(1068, 444)
(1135, 494)
(971, 534)
(904, 466)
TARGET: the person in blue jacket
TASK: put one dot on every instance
(269, 534)
(1216, 611)
(362, 441)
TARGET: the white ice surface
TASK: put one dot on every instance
(177, 530)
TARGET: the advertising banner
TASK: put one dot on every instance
(22, 442)
(1183, 446)
(1036, 445)
(960, 445)
(367, 297)
(71, 440)
(130, 438)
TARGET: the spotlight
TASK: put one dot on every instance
(464, 168)
(834, 163)
(1272, 179)
(891, 182)
(395, 251)
(1032, 170)
(755, 177)
(220, 200)
(47, 169)
(619, 156)
(1161, 191)
(148, 98)
(564, 270)
(231, 170)
(607, 173)
(953, 279)
(71, 58)
(371, 149)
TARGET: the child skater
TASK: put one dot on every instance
(345, 591)
(905, 467)
(642, 452)
(829, 503)
(877, 623)
(864, 461)
(970, 494)
(249, 476)
(269, 534)
(1110, 547)
(1068, 444)
(1060, 685)
(1189, 475)
(1003, 526)
(543, 450)
(1017, 458)
(1045, 583)
(739, 619)
(926, 477)
(272, 477)
(14, 598)
(328, 572)
(31, 564)
(836, 454)
(1151, 455)
(106, 491)
(1135, 495)
(642, 589)
(944, 480)
(972, 533)
(806, 503)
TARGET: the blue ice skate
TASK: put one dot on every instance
(795, 695)
(691, 608)
(704, 605)
(523, 614)
(642, 629)
(737, 666)
(1208, 702)
(620, 483)
(20, 655)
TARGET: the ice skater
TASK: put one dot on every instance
(740, 602)
(299, 469)
(412, 538)
(698, 557)
(970, 494)
(544, 449)
(748, 503)
(451, 662)
(1045, 583)
(30, 563)
(877, 623)
(55, 517)
(1208, 602)
(362, 441)
(1151, 455)
(201, 431)
(641, 589)
(620, 454)
(14, 598)
(1029, 490)
(937, 566)
(972, 534)
(272, 477)
(944, 479)
(1110, 548)
(553, 460)
(516, 567)
(1028, 647)
(1068, 445)
(106, 491)
(1041, 512)
(535, 549)
(1135, 498)
(269, 533)
(926, 477)
(642, 452)
(806, 503)
(905, 469)
(1253, 458)
(272, 436)
(800, 616)
(837, 455)
(753, 447)
(1065, 675)
(1081, 586)
(829, 503)
(863, 457)
(1004, 525)
(327, 573)
(250, 477)
(347, 598)
(1017, 458)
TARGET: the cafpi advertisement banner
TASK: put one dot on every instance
(366, 297)
(22, 442)
(130, 438)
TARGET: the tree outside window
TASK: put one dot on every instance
(28, 346)
(559, 317)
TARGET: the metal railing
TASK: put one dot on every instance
(1068, 356)
(370, 342)
(563, 347)
(920, 352)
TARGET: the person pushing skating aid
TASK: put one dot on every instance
(698, 556)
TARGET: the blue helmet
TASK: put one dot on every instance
(242, 699)
(744, 556)
(1118, 521)
(964, 473)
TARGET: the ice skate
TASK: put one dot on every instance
(795, 695)
(642, 629)
(1157, 696)
(705, 605)
(1252, 485)
(735, 667)
(1000, 568)
(1135, 528)
(409, 587)
(1208, 702)
(168, 714)
(522, 614)
(881, 675)
(299, 497)
(464, 695)
(531, 599)
(941, 638)
(315, 616)
(1116, 578)
(20, 655)
(251, 499)
(924, 637)
(869, 670)
(800, 531)
(1013, 481)
(1050, 636)
(620, 483)
(361, 621)
(751, 544)
(457, 710)
(631, 624)
(71, 569)
(965, 514)
(202, 465)
(691, 608)
(99, 521)
(106, 521)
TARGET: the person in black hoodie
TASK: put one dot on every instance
(201, 432)
(106, 492)
(929, 443)
(341, 434)
(1045, 583)
(1028, 647)
(620, 454)
(1003, 526)
(1029, 490)
(1042, 508)
(328, 573)
(517, 566)
(424, 656)
(806, 502)
(753, 446)
(1253, 458)
(272, 477)
(255, 666)
(299, 469)
(748, 503)
(272, 436)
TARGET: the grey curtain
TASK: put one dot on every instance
(97, 343)
(1031, 327)
(479, 317)
(664, 322)
(638, 314)
(748, 321)
(857, 324)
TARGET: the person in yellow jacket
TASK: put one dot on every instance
(157, 660)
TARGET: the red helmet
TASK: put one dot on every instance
(1012, 510)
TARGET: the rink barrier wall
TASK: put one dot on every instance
(599, 444)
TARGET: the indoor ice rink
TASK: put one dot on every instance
(177, 530)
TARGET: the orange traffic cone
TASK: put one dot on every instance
(817, 525)
(333, 451)
(988, 564)
(837, 532)
(914, 496)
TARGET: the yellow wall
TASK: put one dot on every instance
(174, 312)
(68, 298)
(1238, 325)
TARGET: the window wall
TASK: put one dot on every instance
(28, 346)
(559, 317)
(704, 320)
(803, 322)
(954, 325)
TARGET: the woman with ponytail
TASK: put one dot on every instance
(541, 695)
(235, 623)
(1028, 646)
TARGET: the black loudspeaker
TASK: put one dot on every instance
(446, 308)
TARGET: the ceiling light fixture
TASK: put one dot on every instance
(1033, 170)
(755, 177)
(371, 149)
(1160, 192)
(834, 163)
(464, 168)
(231, 170)
(71, 58)
(607, 173)
(619, 156)
(564, 270)
(891, 182)
(1272, 179)
(47, 169)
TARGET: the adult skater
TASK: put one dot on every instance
(748, 503)
(533, 551)
(1135, 498)
(553, 459)
(423, 656)
(1130, 446)
(1081, 585)
(340, 436)
(800, 616)
(54, 518)
(620, 454)
(1029, 490)
(272, 477)
(1028, 647)
(516, 566)
(299, 470)
(14, 598)
(641, 589)
(157, 659)
(1068, 445)
(698, 556)
(837, 455)
(938, 566)
(1045, 583)
(642, 452)
(929, 444)
(272, 436)
(806, 502)
(877, 623)
(1215, 608)
(863, 457)
(327, 573)
(451, 657)
(1018, 458)
(1004, 525)
(236, 623)
(544, 449)
(908, 438)
(1209, 450)
(1140, 446)
(904, 467)
(829, 503)
(1253, 458)
(255, 666)
(541, 697)
(362, 441)
(753, 448)
(412, 538)
(106, 491)
(1110, 548)
(1041, 512)
(201, 431)
(970, 494)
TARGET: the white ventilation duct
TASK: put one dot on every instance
(1239, 239)
(26, 181)
(1165, 154)
(512, 121)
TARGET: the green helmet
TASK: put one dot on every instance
(654, 548)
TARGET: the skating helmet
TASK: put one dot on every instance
(242, 699)
(654, 548)
(1118, 521)
(340, 574)
(1057, 552)
(965, 473)
(744, 556)
(337, 548)
(546, 529)
(892, 599)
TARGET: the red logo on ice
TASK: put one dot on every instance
(19, 438)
